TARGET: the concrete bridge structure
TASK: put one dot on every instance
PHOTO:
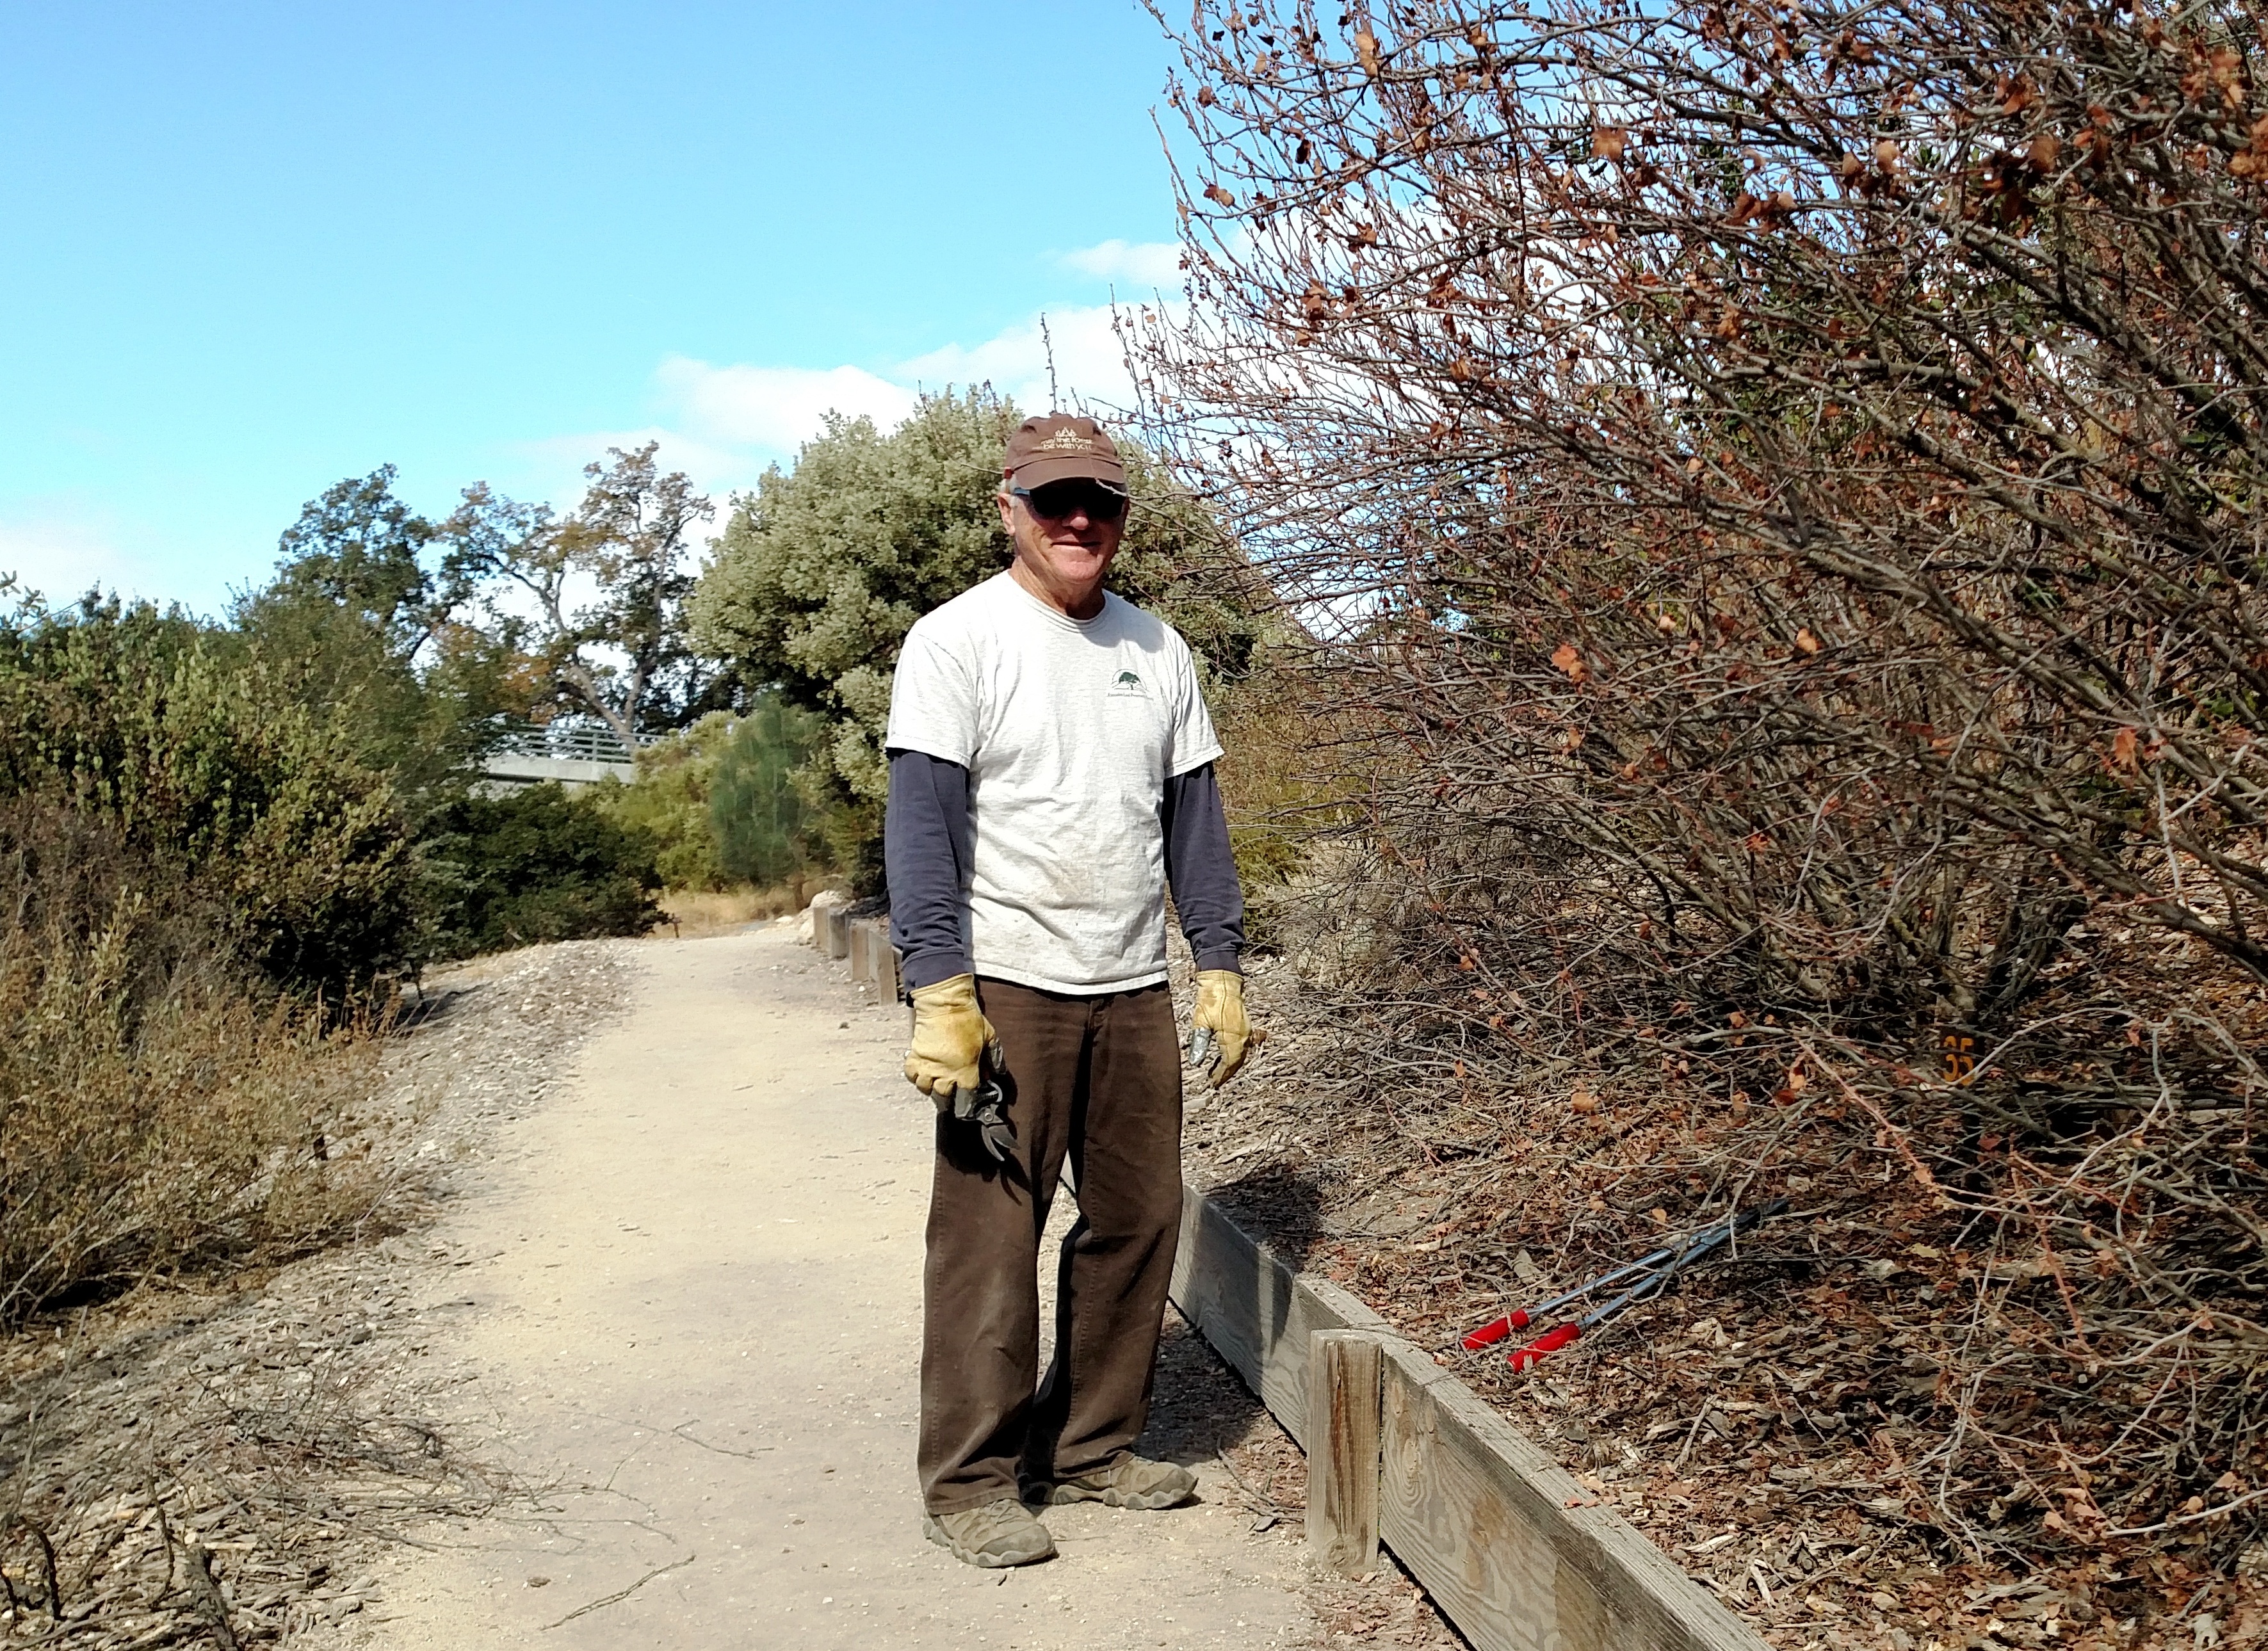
(574, 754)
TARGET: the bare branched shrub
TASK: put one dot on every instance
(157, 1110)
(1773, 487)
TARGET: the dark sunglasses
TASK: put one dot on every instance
(1058, 499)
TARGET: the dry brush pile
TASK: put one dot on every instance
(157, 1114)
(1771, 489)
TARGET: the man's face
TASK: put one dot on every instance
(1068, 551)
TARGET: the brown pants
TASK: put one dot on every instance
(1100, 1079)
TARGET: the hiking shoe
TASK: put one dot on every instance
(992, 1535)
(1132, 1481)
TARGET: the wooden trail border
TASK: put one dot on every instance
(1516, 1553)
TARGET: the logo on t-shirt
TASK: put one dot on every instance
(1127, 682)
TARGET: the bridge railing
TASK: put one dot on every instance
(571, 740)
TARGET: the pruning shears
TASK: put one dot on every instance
(990, 1113)
(1656, 1270)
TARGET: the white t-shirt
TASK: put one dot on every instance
(1068, 729)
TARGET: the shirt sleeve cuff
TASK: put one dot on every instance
(1224, 958)
(927, 968)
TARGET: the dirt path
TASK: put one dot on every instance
(688, 1307)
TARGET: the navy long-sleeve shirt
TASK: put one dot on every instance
(926, 848)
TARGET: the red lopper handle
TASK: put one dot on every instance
(1488, 1335)
(1549, 1341)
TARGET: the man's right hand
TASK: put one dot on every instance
(951, 1043)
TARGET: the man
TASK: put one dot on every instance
(1051, 772)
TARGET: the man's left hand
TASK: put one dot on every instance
(1220, 1024)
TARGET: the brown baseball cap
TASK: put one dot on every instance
(1059, 446)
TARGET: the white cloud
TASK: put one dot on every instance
(723, 424)
(1145, 263)
(774, 408)
(1089, 365)
(729, 415)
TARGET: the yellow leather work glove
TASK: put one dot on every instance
(952, 1041)
(1220, 1024)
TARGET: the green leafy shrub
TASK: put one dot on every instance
(722, 802)
(761, 822)
(203, 764)
(669, 802)
(822, 571)
(540, 863)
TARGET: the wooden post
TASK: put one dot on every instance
(1343, 1370)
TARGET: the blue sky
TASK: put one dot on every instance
(252, 249)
